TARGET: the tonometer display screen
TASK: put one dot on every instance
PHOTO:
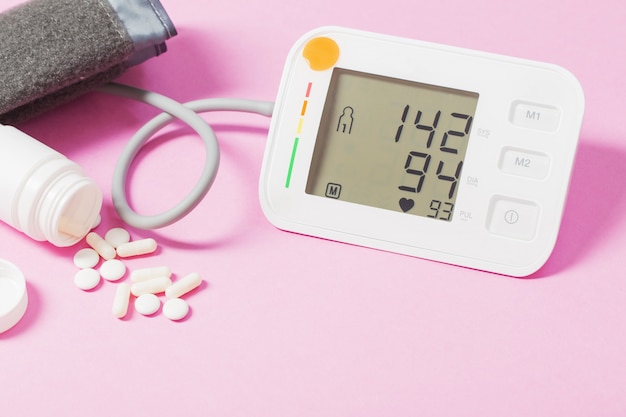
(392, 144)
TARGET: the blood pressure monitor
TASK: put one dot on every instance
(427, 150)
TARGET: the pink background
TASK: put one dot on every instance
(288, 325)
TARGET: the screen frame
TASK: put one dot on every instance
(395, 166)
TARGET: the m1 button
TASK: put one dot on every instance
(535, 116)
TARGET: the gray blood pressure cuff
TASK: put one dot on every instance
(51, 51)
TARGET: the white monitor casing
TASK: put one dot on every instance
(515, 175)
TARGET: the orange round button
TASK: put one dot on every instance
(321, 53)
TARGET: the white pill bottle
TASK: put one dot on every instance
(42, 193)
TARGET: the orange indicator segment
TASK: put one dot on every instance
(304, 105)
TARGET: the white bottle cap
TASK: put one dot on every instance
(13, 297)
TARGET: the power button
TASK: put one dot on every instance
(513, 218)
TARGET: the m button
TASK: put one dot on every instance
(525, 163)
(333, 190)
(535, 116)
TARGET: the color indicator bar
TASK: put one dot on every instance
(293, 158)
(298, 132)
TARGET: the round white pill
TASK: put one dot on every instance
(86, 258)
(147, 304)
(175, 309)
(117, 236)
(87, 279)
(113, 270)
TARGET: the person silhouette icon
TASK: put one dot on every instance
(346, 120)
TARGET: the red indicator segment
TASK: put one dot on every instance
(308, 90)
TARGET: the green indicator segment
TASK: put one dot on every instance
(293, 158)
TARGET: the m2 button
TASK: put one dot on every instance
(535, 116)
(525, 163)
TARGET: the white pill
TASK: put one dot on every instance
(121, 300)
(117, 236)
(151, 286)
(101, 246)
(175, 309)
(137, 248)
(113, 270)
(87, 279)
(147, 304)
(183, 286)
(72, 228)
(145, 274)
(86, 258)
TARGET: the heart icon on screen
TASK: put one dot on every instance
(406, 204)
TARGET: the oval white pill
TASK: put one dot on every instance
(72, 228)
(101, 246)
(137, 248)
(87, 279)
(183, 286)
(86, 258)
(175, 309)
(147, 304)
(121, 300)
(117, 236)
(113, 270)
(145, 274)
(151, 286)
